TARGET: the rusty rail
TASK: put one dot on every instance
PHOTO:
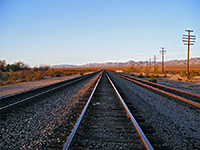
(129, 114)
(192, 94)
(68, 142)
(46, 89)
(162, 91)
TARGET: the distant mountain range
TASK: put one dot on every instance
(128, 63)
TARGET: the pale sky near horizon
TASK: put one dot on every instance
(86, 31)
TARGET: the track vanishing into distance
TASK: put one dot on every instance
(11, 101)
(113, 113)
(187, 97)
(106, 122)
(102, 125)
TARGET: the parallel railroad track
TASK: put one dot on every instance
(187, 97)
(106, 122)
(11, 101)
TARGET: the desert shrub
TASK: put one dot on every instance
(132, 74)
(28, 76)
(147, 75)
(57, 74)
(5, 76)
(9, 81)
(37, 75)
(165, 76)
(14, 77)
(140, 76)
(157, 76)
(194, 74)
(152, 76)
(179, 79)
(152, 79)
(183, 73)
(66, 73)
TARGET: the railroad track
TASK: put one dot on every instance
(106, 122)
(11, 101)
(189, 98)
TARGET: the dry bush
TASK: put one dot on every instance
(153, 79)
(28, 76)
(39, 73)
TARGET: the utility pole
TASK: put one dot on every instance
(187, 41)
(150, 63)
(147, 70)
(154, 63)
(162, 52)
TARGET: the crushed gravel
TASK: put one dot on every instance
(175, 123)
(105, 124)
(192, 87)
(38, 125)
(24, 86)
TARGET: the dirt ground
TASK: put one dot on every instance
(171, 80)
(192, 86)
(23, 86)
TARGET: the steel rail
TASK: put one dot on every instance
(164, 92)
(129, 114)
(4, 108)
(69, 140)
(174, 89)
(42, 87)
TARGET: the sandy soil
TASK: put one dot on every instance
(172, 80)
(23, 86)
(193, 87)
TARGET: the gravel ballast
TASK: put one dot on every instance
(24, 86)
(105, 124)
(38, 125)
(173, 121)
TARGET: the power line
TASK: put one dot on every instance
(150, 63)
(162, 52)
(187, 41)
(154, 64)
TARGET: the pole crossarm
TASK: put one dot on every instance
(163, 51)
(187, 41)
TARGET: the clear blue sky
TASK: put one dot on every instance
(83, 31)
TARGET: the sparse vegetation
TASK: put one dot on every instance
(57, 74)
(179, 79)
(152, 79)
(183, 73)
(23, 74)
(194, 74)
(17, 66)
(165, 76)
(147, 75)
(140, 76)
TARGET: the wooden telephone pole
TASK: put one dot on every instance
(162, 52)
(147, 67)
(149, 63)
(154, 63)
(187, 41)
